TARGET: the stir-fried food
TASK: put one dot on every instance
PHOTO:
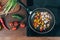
(42, 20)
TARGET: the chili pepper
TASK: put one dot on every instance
(17, 16)
(1, 20)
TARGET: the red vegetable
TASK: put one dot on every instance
(1, 20)
(22, 25)
(41, 29)
(11, 24)
(14, 28)
(16, 24)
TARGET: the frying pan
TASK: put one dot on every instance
(31, 17)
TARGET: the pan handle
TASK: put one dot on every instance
(26, 8)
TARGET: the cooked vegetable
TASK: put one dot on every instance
(42, 20)
(41, 29)
(17, 16)
(22, 25)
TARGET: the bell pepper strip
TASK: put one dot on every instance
(2, 22)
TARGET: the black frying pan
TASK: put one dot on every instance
(31, 17)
